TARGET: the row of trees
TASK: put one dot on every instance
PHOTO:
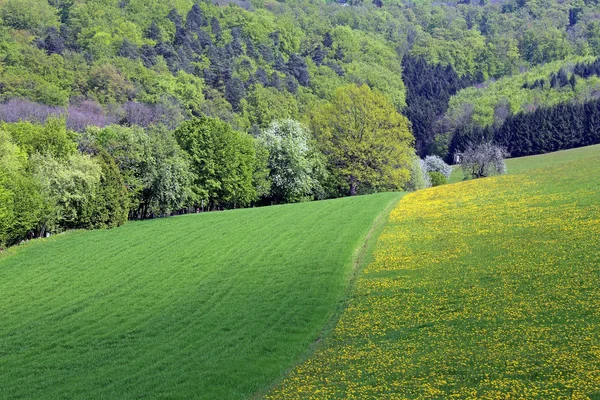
(544, 130)
(53, 179)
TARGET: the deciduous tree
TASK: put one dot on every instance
(367, 142)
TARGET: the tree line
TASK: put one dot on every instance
(544, 130)
(54, 179)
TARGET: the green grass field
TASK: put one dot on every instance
(482, 289)
(216, 306)
(523, 164)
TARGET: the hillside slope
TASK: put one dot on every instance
(212, 306)
(481, 289)
(523, 164)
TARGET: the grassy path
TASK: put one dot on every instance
(213, 306)
(482, 289)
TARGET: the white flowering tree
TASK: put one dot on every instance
(436, 164)
(295, 168)
(483, 160)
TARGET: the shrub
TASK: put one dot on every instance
(419, 178)
(436, 164)
(437, 178)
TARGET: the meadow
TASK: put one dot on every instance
(481, 289)
(524, 164)
(215, 305)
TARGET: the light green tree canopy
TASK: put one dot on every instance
(368, 144)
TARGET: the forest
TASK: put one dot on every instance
(129, 109)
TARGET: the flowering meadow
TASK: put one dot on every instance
(482, 289)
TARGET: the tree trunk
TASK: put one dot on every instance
(352, 187)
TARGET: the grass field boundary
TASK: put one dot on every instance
(363, 255)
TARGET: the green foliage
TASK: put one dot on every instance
(20, 199)
(490, 104)
(223, 162)
(106, 84)
(464, 51)
(68, 188)
(419, 178)
(367, 143)
(153, 167)
(53, 138)
(165, 172)
(437, 178)
(109, 207)
(29, 72)
(293, 162)
(264, 105)
(541, 45)
(34, 15)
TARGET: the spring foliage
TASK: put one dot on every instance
(296, 167)
(367, 143)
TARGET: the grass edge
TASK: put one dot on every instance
(362, 256)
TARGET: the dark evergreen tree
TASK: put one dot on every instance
(275, 81)
(261, 76)
(298, 69)
(54, 43)
(195, 19)
(574, 15)
(291, 84)
(563, 79)
(318, 55)
(128, 50)
(234, 93)
(378, 3)
(275, 38)
(204, 40)
(211, 78)
(174, 17)
(184, 59)
(148, 55)
(153, 32)
(250, 49)
(266, 53)
(250, 81)
(236, 42)
(339, 53)
(181, 36)
(280, 64)
(220, 66)
(428, 91)
(215, 26)
(335, 67)
(327, 40)
(560, 127)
